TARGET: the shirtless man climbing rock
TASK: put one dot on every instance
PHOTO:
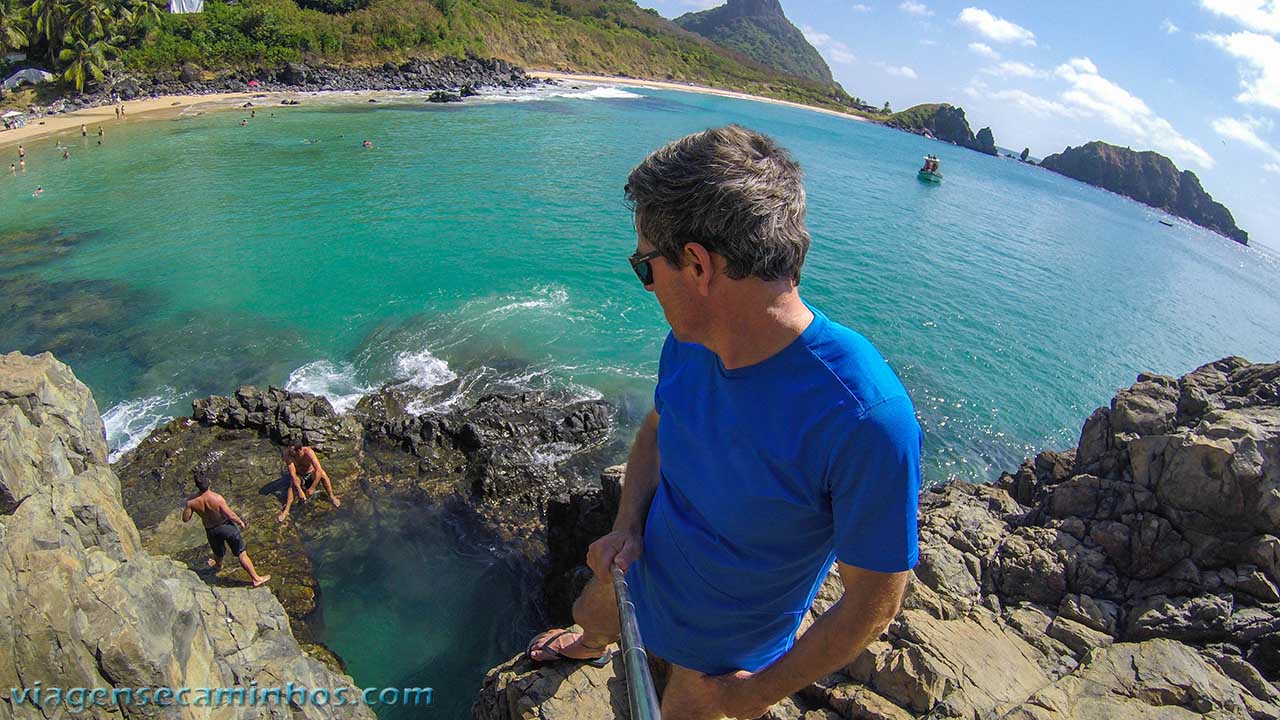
(301, 464)
(221, 527)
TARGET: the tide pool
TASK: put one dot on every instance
(483, 246)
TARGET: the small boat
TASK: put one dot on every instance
(930, 171)
(1166, 223)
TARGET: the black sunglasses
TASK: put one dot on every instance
(641, 264)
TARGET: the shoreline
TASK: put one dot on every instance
(147, 109)
(686, 87)
(156, 108)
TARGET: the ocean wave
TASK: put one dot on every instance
(334, 381)
(545, 297)
(422, 369)
(129, 422)
(597, 92)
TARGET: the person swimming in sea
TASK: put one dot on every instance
(221, 527)
(366, 144)
(66, 154)
(39, 191)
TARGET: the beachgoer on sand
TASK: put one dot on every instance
(221, 527)
(724, 549)
(302, 465)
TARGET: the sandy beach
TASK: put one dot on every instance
(149, 108)
(686, 87)
(171, 105)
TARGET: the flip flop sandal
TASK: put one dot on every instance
(600, 662)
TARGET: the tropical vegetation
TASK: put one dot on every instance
(86, 40)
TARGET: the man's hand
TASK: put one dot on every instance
(734, 695)
(617, 547)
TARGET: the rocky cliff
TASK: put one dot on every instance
(490, 465)
(944, 122)
(83, 605)
(1134, 576)
(1151, 179)
(760, 30)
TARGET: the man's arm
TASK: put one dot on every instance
(187, 511)
(641, 482)
(315, 460)
(231, 515)
(870, 602)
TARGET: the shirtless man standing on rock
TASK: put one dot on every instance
(301, 463)
(221, 527)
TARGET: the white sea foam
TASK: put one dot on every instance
(597, 92)
(545, 297)
(335, 382)
(422, 369)
(129, 422)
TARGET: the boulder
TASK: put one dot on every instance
(82, 604)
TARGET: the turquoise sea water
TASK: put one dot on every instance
(484, 246)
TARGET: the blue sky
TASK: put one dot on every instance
(1197, 80)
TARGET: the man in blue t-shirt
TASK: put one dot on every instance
(780, 441)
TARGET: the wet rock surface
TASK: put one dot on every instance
(1134, 576)
(83, 604)
(491, 466)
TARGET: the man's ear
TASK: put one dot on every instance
(699, 262)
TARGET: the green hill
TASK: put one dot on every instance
(761, 31)
(614, 37)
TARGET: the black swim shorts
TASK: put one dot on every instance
(225, 534)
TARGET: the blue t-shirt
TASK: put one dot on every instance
(768, 472)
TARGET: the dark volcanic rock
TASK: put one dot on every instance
(491, 467)
(82, 604)
(1133, 576)
(1151, 179)
(944, 122)
(440, 96)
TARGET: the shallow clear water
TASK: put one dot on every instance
(485, 245)
(408, 602)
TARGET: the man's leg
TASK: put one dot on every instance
(217, 547)
(295, 489)
(328, 488)
(684, 697)
(596, 611)
(247, 564)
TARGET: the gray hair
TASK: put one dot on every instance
(735, 191)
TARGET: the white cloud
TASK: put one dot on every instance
(859, 7)
(1259, 66)
(912, 7)
(901, 71)
(835, 50)
(1033, 104)
(996, 28)
(1272, 167)
(1013, 68)
(1091, 94)
(984, 50)
(1260, 15)
(1169, 27)
(1246, 131)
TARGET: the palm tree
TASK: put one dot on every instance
(13, 26)
(49, 18)
(88, 59)
(93, 18)
(144, 11)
